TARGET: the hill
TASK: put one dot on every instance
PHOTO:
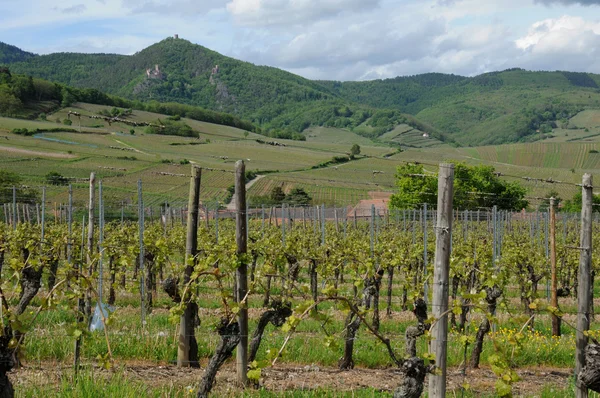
(30, 98)
(121, 157)
(10, 54)
(175, 70)
(514, 105)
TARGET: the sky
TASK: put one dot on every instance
(326, 39)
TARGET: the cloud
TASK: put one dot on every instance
(76, 9)
(281, 12)
(385, 42)
(570, 2)
(327, 39)
(190, 8)
(567, 34)
(565, 43)
(111, 44)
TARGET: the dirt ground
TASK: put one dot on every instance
(37, 153)
(289, 377)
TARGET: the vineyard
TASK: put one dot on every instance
(338, 304)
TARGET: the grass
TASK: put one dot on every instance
(289, 166)
(153, 344)
(405, 135)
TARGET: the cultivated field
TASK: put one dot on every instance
(120, 158)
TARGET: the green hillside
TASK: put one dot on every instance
(175, 70)
(499, 107)
(120, 158)
(25, 97)
(494, 108)
(10, 54)
(185, 74)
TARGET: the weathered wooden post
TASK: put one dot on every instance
(242, 271)
(583, 296)
(186, 323)
(90, 231)
(554, 283)
(443, 232)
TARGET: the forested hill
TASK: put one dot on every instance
(10, 54)
(498, 107)
(180, 71)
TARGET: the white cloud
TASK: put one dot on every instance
(281, 12)
(189, 8)
(565, 43)
(76, 9)
(567, 33)
(114, 44)
(41, 13)
(568, 2)
(327, 39)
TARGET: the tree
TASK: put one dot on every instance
(170, 127)
(54, 178)
(355, 150)
(574, 205)
(9, 104)
(67, 97)
(298, 197)
(277, 194)
(9, 180)
(545, 204)
(474, 187)
(414, 188)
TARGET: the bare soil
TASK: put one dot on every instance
(285, 377)
(37, 153)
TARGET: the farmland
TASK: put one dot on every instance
(343, 256)
(141, 353)
(121, 158)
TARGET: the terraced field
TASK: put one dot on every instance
(406, 135)
(161, 162)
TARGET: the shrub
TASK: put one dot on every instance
(54, 178)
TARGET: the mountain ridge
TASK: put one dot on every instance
(497, 107)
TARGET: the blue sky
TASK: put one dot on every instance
(326, 39)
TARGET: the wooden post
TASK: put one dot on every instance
(90, 231)
(206, 214)
(14, 208)
(337, 228)
(304, 217)
(186, 323)
(443, 232)
(80, 302)
(554, 283)
(241, 274)
(583, 296)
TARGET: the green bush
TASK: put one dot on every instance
(54, 178)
